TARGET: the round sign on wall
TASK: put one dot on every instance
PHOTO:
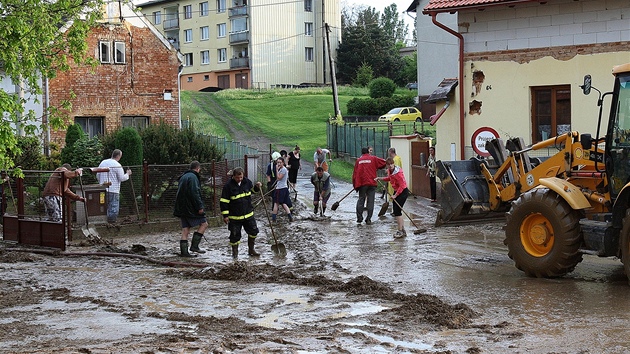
(479, 138)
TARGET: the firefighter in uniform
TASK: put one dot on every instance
(238, 212)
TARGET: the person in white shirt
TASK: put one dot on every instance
(319, 157)
(113, 178)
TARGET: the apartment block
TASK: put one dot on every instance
(250, 43)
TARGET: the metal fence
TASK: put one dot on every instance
(149, 195)
(349, 138)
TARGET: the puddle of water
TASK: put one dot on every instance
(390, 341)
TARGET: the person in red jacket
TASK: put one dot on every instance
(363, 181)
(397, 180)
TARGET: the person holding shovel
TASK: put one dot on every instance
(321, 180)
(396, 178)
(54, 190)
(189, 208)
(238, 211)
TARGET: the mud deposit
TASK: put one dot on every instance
(342, 288)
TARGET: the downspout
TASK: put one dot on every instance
(179, 95)
(461, 79)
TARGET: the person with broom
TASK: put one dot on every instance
(396, 178)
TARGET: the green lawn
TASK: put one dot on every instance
(286, 116)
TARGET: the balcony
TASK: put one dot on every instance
(239, 63)
(171, 24)
(240, 37)
(238, 11)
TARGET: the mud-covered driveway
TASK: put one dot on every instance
(343, 288)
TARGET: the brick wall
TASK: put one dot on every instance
(135, 88)
(559, 53)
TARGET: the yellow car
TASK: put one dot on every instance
(402, 114)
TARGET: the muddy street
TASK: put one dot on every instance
(342, 288)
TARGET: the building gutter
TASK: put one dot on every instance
(460, 78)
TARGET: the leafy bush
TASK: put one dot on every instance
(381, 87)
(378, 106)
(73, 134)
(164, 144)
(28, 154)
(365, 74)
(130, 143)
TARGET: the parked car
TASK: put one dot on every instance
(412, 86)
(401, 114)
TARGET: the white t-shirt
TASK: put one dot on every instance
(115, 175)
(282, 182)
(319, 158)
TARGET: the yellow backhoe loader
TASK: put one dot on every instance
(558, 208)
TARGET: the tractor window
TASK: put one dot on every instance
(620, 150)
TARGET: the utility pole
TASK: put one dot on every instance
(332, 74)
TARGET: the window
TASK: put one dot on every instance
(221, 30)
(551, 111)
(189, 79)
(93, 126)
(620, 149)
(157, 17)
(188, 59)
(222, 55)
(188, 11)
(204, 33)
(187, 36)
(308, 54)
(238, 25)
(205, 57)
(138, 122)
(203, 9)
(104, 52)
(308, 5)
(119, 57)
(308, 28)
(206, 78)
(220, 5)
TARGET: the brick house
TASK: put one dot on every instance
(521, 65)
(135, 82)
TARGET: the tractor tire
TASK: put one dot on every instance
(625, 244)
(543, 234)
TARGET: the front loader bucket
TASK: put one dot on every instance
(465, 194)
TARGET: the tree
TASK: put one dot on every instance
(365, 74)
(38, 38)
(366, 43)
(393, 26)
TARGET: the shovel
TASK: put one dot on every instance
(385, 205)
(135, 202)
(418, 229)
(336, 204)
(89, 232)
(278, 249)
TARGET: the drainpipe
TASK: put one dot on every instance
(179, 95)
(461, 79)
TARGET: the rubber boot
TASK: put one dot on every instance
(234, 251)
(183, 246)
(194, 247)
(250, 243)
(315, 209)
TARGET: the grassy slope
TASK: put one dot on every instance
(287, 116)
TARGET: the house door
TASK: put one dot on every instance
(241, 80)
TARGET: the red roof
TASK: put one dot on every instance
(455, 5)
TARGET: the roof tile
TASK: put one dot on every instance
(446, 5)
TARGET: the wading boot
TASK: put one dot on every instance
(250, 244)
(183, 246)
(194, 247)
(234, 251)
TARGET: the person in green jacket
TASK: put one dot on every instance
(189, 208)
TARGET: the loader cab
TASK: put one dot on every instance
(618, 142)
